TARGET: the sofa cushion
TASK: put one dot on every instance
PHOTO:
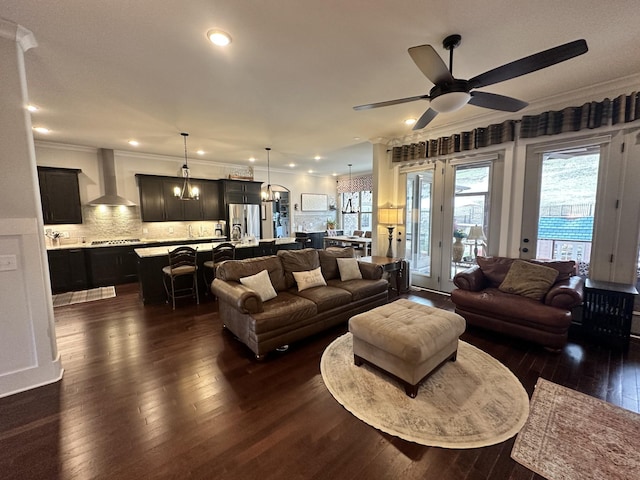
(360, 289)
(286, 309)
(565, 268)
(349, 269)
(233, 270)
(494, 269)
(309, 279)
(261, 284)
(297, 261)
(510, 308)
(328, 260)
(528, 279)
(326, 297)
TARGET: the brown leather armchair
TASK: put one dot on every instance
(480, 301)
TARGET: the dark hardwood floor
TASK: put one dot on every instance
(152, 393)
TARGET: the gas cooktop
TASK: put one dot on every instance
(124, 241)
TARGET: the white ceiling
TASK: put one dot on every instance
(106, 72)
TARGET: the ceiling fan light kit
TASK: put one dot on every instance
(450, 94)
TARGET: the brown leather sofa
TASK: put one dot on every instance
(293, 314)
(546, 322)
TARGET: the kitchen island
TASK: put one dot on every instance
(151, 260)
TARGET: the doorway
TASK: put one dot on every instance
(449, 214)
(559, 205)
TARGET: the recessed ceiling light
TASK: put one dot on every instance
(32, 108)
(252, 159)
(42, 130)
(356, 138)
(317, 157)
(410, 121)
(218, 37)
(310, 171)
(134, 143)
(292, 165)
(200, 152)
(334, 174)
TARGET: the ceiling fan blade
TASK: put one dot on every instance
(391, 102)
(529, 64)
(431, 64)
(424, 120)
(496, 102)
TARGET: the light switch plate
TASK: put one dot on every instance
(8, 263)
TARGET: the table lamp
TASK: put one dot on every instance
(476, 234)
(390, 217)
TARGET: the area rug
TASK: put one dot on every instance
(571, 436)
(82, 296)
(472, 402)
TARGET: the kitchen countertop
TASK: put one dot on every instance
(161, 251)
(142, 241)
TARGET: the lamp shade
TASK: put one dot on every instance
(391, 216)
(476, 233)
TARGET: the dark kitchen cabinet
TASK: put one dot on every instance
(210, 198)
(173, 206)
(60, 195)
(67, 270)
(151, 198)
(112, 265)
(158, 202)
(240, 191)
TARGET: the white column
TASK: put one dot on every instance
(28, 352)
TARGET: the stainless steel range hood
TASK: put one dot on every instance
(107, 165)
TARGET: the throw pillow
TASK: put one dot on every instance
(349, 269)
(528, 279)
(308, 279)
(261, 284)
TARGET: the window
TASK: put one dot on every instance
(471, 204)
(362, 202)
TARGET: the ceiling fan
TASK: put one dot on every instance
(450, 94)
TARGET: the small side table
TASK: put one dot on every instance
(388, 264)
(608, 311)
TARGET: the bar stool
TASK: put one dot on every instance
(220, 253)
(267, 248)
(303, 239)
(182, 263)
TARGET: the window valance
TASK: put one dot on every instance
(623, 109)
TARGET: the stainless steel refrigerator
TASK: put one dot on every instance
(245, 218)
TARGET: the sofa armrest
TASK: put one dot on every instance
(471, 279)
(240, 297)
(566, 293)
(370, 271)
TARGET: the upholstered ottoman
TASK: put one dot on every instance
(406, 339)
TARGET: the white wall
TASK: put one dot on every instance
(28, 353)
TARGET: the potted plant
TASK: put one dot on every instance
(331, 224)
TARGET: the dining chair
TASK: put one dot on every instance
(183, 262)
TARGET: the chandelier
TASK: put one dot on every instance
(188, 191)
(269, 195)
(349, 206)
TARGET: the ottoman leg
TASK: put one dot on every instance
(357, 360)
(411, 390)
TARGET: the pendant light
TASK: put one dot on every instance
(349, 206)
(269, 195)
(188, 191)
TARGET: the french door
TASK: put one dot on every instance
(443, 198)
(560, 193)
